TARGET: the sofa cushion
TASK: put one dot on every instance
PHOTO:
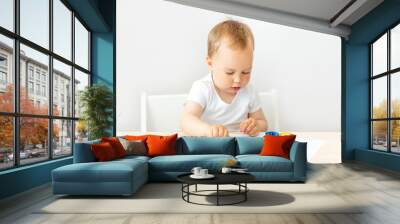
(185, 163)
(103, 151)
(111, 171)
(277, 145)
(131, 158)
(197, 145)
(159, 145)
(249, 145)
(257, 163)
(134, 147)
(116, 145)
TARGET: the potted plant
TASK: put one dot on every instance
(96, 102)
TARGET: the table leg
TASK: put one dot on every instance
(217, 194)
(196, 188)
(245, 193)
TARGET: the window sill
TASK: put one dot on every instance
(26, 167)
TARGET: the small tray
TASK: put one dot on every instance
(208, 176)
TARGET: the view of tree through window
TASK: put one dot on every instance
(385, 87)
(44, 114)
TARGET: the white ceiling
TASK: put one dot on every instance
(321, 9)
(315, 15)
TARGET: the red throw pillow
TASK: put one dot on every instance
(161, 145)
(103, 151)
(277, 145)
(116, 145)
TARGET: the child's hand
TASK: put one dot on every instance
(249, 126)
(217, 130)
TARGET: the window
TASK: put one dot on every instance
(6, 142)
(7, 14)
(3, 61)
(37, 75)
(34, 21)
(3, 78)
(62, 29)
(44, 91)
(62, 74)
(62, 137)
(33, 149)
(385, 91)
(81, 81)
(6, 72)
(45, 131)
(81, 45)
(30, 87)
(30, 72)
(37, 89)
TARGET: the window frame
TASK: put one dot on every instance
(15, 72)
(388, 74)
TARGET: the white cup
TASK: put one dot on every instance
(203, 172)
(226, 170)
(196, 170)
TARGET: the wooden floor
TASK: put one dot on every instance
(377, 188)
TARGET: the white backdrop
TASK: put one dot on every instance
(161, 49)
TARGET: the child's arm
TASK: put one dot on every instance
(254, 124)
(191, 124)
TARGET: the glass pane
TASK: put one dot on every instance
(379, 55)
(35, 21)
(33, 139)
(81, 131)
(62, 29)
(395, 136)
(62, 138)
(62, 89)
(395, 47)
(7, 14)
(34, 97)
(379, 135)
(81, 45)
(6, 142)
(81, 81)
(6, 74)
(395, 94)
(379, 100)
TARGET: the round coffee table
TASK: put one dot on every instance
(238, 179)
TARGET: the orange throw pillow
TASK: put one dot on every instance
(116, 145)
(103, 151)
(277, 145)
(161, 145)
(135, 138)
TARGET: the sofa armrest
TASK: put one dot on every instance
(83, 152)
(298, 155)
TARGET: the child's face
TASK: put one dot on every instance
(231, 68)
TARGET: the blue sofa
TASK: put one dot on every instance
(125, 176)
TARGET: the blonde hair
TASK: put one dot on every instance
(236, 32)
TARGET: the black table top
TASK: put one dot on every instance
(220, 178)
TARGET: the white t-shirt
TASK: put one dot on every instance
(216, 111)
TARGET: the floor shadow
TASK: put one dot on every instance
(255, 198)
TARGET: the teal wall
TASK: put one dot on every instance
(355, 87)
(103, 63)
(24, 178)
(99, 16)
